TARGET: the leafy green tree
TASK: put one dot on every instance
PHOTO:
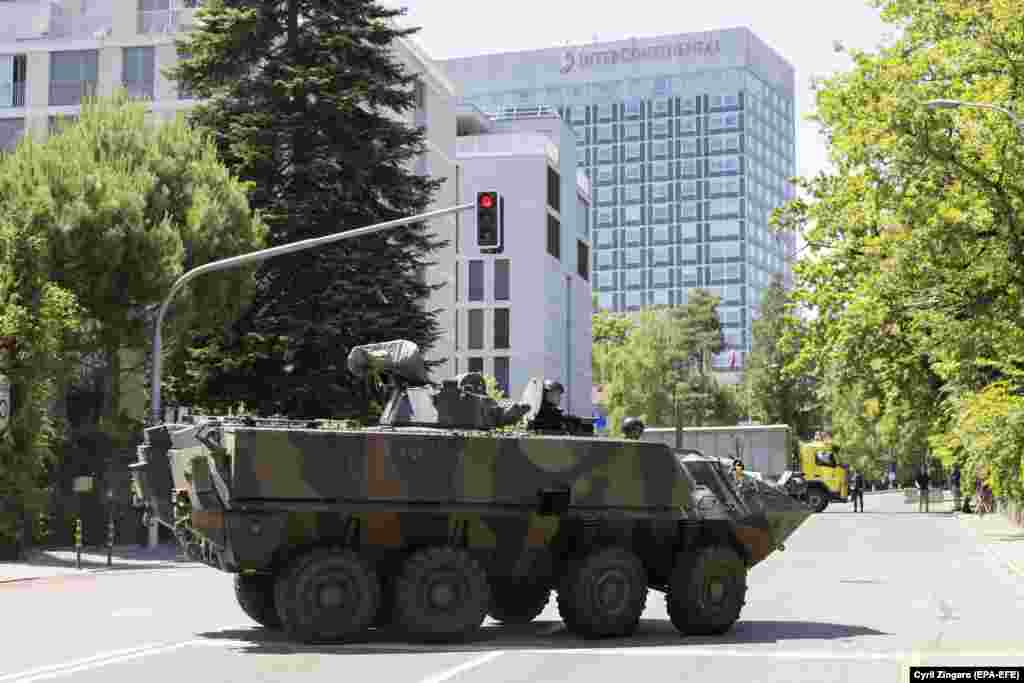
(779, 397)
(39, 321)
(112, 210)
(698, 334)
(659, 359)
(308, 102)
(915, 274)
(126, 207)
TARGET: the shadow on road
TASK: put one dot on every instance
(539, 635)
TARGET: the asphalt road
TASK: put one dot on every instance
(854, 597)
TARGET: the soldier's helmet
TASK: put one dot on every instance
(632, 427)
(553, 391)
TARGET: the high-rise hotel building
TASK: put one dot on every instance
(688, 141)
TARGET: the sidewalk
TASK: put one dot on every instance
(61, 561)
(1000, 537)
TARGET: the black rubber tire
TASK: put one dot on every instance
(691, 608)
(817, 499)
(298, 593)
(517, 603)
(581, 606)
(255, 595)
(426, 576)
(386, 610)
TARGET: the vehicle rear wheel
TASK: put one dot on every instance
(707, 590)
(517, 603)
(328, 594)
(441, 594)
(255, 595)
(817, 499)
(603, 594)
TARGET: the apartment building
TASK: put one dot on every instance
(54, 53)
(535, 300)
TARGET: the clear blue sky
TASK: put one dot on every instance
(802, 31)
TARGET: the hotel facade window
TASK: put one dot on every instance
(687, 164)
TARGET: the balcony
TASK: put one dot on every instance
(176, 16)
(159, 21)
(12, 95)
(70, 93)
(140, 90)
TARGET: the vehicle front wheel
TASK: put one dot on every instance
(817, 499)
(707, 590)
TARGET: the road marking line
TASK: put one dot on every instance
(465, 666)
(77, 662)
(102, 663)
(684, 651)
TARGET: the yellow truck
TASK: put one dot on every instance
(768, 450)
(827, 479)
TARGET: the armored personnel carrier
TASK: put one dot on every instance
(456, 506)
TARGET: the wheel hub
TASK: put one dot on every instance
(444, 592)
(331, 596)
(716, 591)
(611, 592)
(442, 595)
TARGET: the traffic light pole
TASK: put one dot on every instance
(263, 255)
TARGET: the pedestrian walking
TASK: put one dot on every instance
(922, 484)
(857, 490)
(954, 485)
(892, 479)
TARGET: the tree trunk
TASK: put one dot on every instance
(111, 386)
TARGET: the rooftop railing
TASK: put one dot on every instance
(531, 112)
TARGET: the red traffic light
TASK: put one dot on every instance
(486, 201)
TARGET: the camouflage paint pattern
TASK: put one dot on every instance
(385, 488)
(437, 466)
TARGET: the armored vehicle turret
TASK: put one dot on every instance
(455, 506)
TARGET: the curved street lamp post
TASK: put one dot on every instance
(956, 104)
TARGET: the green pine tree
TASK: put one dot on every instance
(302, 98)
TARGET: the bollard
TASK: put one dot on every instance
(110, 541)
(78, 543)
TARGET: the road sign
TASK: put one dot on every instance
(600, 421)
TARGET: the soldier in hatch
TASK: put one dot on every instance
(633, 428)
(550, 416)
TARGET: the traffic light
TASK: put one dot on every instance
(489, 231)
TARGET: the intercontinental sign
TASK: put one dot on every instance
(579, 59)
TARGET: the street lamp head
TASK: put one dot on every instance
(942, 104)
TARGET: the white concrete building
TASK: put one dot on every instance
(52, 52)
(526, 312)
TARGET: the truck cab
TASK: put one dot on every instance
(827, 479)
